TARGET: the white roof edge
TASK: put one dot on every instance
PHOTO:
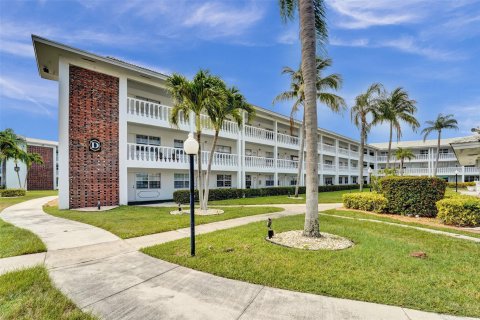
(41, 141)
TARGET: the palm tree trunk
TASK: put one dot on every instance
(209, 168)
(308, 41)
(26, 175)
(401, 167)
(300, 155)
(389, 146)
(199, 161)
(438, 154)
(360, 164)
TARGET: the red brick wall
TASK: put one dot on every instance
(40, 176)
(93, 113)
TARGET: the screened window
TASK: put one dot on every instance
(178, 144)
(223, 149)
(269, 182)
(150, 140)
(328, 181)
(181, 181)
(224, 180)
(268, 154)
(248, 181)
(147, 181)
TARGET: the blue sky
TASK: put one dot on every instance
(431, 48)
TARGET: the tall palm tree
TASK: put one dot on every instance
(395, 108)
(365, 105)
(402, 154)
(313, 32)
(234, 107)
(442, 122)
(11, 147)
(31, 158)
(297, 94)
(195, 96)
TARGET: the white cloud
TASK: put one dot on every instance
(467, 115)
(362, 42)
(16, 48)
(290, 36)
(411, 45)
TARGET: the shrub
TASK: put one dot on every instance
(365, 201)
(413, 195)
(183, 196)
(462, 211)
(12, 193)
(462, 185)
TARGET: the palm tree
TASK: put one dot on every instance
(402, 154)
(30, 159)
(365, 105)
(442, 122)
(395, 108)
(313, 32)
(203, 92)
(234, 107)
(11, 147)
(297, 93)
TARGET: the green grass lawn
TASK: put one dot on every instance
(362, 215)
(323, 197)
(134, 221)
(30, 294)
(16, 241)
(377, 269)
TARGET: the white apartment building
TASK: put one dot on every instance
(125, 109)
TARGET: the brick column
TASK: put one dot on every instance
(40, 176)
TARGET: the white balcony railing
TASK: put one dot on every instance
(259, 162)
(343, 151)
(150, 110)
(471, 170)
(329, 148)
(354, 154)
(287, 139)
(174, 156)
(227, 126)
(343, 168)
(259, 133)
(287, 164)
(446, 156)
(329, 167)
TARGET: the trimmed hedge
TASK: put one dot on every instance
(462, 211)
(413, 195)
(12, 193)
(463, 185)
(183, 196)
(365, 201)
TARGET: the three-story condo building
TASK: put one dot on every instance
(117, 145)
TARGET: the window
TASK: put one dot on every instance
(354, 180)
(424, 151)
(147, 181)
(224, 180)
(269, 154)
(328, 181)
(328, 162)
(248, 181)
(223, 149)
(147, 99)
(293, 182)
(443, 150)
(178, 144)
(150, 140)
(269, 182)
(181, 180)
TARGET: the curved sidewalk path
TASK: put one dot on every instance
(108, 276)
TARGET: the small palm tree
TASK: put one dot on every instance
(402, 154)
(203, 92)
(30, 159)
(395, 108)
(442, 122)
(365, 105)
(233, 108)
(313, 32)
(297, 94)
(11, 147)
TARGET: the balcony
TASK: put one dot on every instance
(446, 156)
(287, 165)
(259, 135)
(448, 170)
(151, 113)
(354, 154)
(343, 168)
(343, 152)
(328, 168)
(326, 148)
(471, 170)
(148, 156)
(229, 128)
(259, 163)
(287, 140)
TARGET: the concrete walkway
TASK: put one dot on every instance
(110, 277)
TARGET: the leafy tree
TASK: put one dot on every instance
(442, 122)
(204, 92)
(12, 147)
(234, 107)
(297, 94)
(313, 32)
(402, 154)
(364, 107)
(395, 108)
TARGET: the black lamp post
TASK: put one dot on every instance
(456, 180)
(191, 148)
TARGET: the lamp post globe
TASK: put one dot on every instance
(191, 148)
